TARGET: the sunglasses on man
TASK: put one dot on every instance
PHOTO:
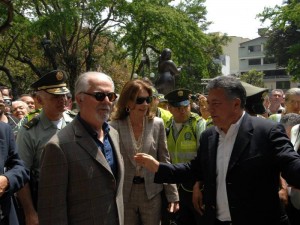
(100, 96)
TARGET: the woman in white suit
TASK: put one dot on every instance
(141, 131)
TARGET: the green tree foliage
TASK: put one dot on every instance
(253, 77)
(61, 34)
(155, 25)
(108, 35)
(6, 12)
(284, 35)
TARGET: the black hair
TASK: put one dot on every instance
(232, 87)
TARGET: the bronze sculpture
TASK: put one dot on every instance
(167, 71)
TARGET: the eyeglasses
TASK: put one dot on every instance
(100, 96)
(141, 100)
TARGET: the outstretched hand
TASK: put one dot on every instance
(147, 161)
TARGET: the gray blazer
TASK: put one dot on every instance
(155, 144)
(77, 185)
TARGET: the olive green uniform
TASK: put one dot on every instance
(33, 136)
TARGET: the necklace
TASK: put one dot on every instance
(137, 144)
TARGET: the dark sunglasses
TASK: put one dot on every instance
(100, 96)
(141, 100)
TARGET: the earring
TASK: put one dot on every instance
(127, 110)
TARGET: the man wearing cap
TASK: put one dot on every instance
(254, 101)
(183, 133)
(163, 103)
(159, 112)
(34, 134)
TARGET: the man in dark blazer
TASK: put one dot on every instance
(82, 170)
(238, 162)
(13, 175)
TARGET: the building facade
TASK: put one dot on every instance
(252, 56)
(231, 50)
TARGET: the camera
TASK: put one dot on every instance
(7, 101)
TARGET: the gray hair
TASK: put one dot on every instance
(292, 92)
(82, 83)
(290, 119)
(232, 87)
(277, 90)
(24, 104)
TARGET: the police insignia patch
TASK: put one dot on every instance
(188, 136)
(59, 75)
(180, 93)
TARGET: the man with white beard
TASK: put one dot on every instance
(82, 169)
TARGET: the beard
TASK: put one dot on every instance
(104, 115)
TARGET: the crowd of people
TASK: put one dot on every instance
(141, 157)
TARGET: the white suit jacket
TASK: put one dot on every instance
(295, 139)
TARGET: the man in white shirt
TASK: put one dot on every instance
(238, 162)
(276, 100)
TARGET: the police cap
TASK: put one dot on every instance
(53, 82)
(161, 98)
(178, 97)
(254, 101)
(154, 92)
(253, 90)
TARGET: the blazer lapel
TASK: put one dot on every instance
(127, 140)
(87, 143)
(242, 140)
(119, 159)
(295, 137)
(213, 141)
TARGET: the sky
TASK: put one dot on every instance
(237, 17)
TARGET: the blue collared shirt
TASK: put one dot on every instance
(105, 147)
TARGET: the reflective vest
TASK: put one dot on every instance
(164, 114)
(184, 148)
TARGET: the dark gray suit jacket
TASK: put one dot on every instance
(76, 184)
(261, 151)
(13, 168)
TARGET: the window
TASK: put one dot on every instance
(252, 62)
(269, 60)
(275, 73)
(283, 84)
(254, 48)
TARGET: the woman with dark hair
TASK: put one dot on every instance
(141, 131)
(167, 71)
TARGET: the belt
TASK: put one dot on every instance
(219, 222)
(138, 180)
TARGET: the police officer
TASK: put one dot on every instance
(183, 133)
(159, 112)
(255, 96)
(35, 133)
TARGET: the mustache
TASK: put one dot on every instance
(104, 107)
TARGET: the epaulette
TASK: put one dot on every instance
(71, 113)
(31, 123)
(195, 115)
(33, 114)
(36, 111)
